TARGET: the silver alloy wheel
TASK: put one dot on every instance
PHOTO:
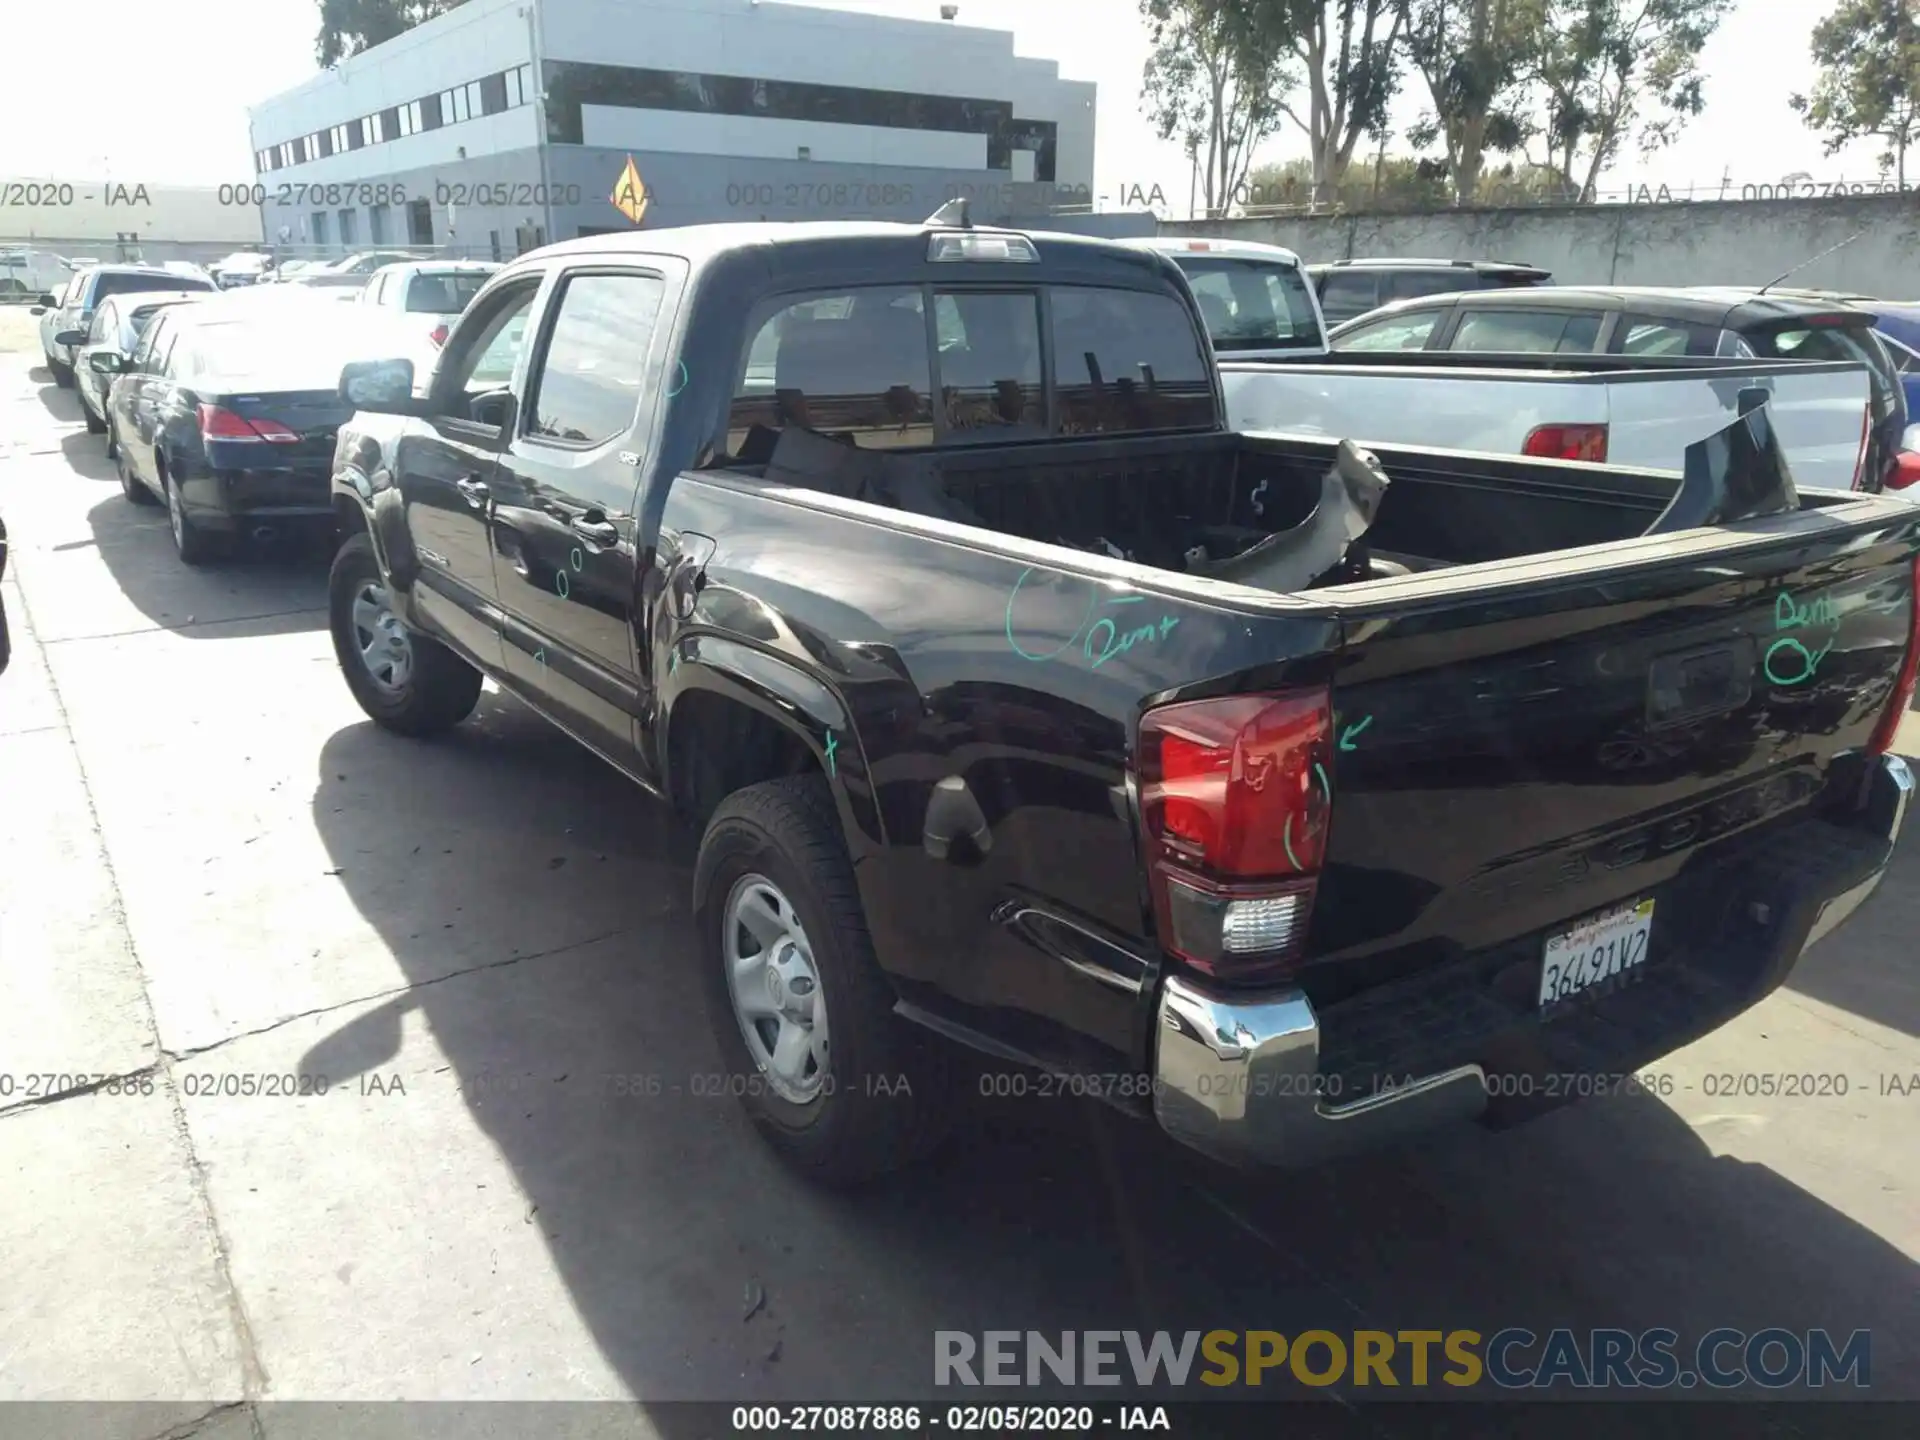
(385, 649)
(775, 988)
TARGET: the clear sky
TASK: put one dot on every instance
(156, 91)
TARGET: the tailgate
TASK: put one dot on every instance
(1526, 743)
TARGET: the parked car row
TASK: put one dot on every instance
(1493, 357)
(222, 406)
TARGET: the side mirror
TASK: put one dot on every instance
(107, 362)
(51, 302)
(70, 337)
(384, 387)
(38, 310)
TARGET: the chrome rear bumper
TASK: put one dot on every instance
(1238, 1074)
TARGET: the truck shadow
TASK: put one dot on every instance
(704, 1270)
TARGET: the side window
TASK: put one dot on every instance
(852, 364)
(990, 375)
(1406, 331)
(106, 321)
(1345, 295)
(482, 351)
(1642, 335)
(1419, 284)
(153, 346)
(1528, 331)
(378, 289)
(586, 385)
(1128, 360)
(76, 288)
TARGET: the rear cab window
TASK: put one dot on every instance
(863, 365)
(443, 292)
(1251, 304)
(125, 284)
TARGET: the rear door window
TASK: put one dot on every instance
(1641, 335)
(1408, 330)
(1527, 331)
(443, 294)
(1346, 294)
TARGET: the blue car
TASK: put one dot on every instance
(1898, 325)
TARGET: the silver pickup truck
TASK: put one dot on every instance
(1618, 376)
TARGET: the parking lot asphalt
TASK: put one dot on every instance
(213, 867)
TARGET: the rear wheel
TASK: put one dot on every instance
(62, 374)
(195, 546)
(840, 1086)
(130, 485)
(404, 680)
(95, 425)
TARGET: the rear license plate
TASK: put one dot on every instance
(1594, 951)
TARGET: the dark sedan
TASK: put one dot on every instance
(226, 413)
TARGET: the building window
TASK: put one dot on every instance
(320, 227)
(419, 222)
(472, 107)
(574, 84)
(516, 87)
(349, 229)
(493, 94)
(377, 224)
(432, 112)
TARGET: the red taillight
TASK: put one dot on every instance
(1567, 442)
(220, 424)
(438, 335)
(1897, 703)
(1906, 470)
(1236, 795)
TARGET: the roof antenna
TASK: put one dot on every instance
(1809, 260)
(954, 212)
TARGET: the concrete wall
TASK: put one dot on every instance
(1697, 243)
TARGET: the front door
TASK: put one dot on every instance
(565, 501)
(444, 467)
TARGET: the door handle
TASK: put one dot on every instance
(475, 490)
(600, 532)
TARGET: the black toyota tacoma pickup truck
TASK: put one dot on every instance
(1295, 797)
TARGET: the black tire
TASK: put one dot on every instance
(130, 484)
(886, 1105)
(442, 688)
(194, 545)
(113, 445)
(62, 374)
(95, 425)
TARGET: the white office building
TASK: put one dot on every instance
(505, 123)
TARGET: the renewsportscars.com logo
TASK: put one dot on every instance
(1511, 1359)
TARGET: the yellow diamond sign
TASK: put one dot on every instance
(630, 193)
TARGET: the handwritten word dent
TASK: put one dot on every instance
(1117, 644)
(1790, 614)
(1103, 636)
